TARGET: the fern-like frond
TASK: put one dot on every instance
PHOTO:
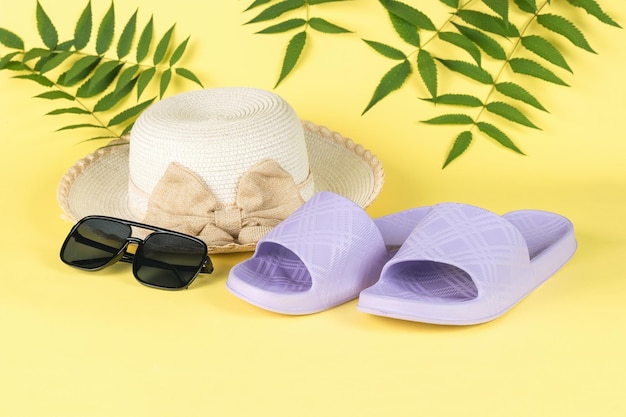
(275, 16)
(93, 70)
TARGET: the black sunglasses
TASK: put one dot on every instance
(165, 259)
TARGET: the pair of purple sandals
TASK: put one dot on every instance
(449, 263)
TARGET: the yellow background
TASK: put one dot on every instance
(100, 344)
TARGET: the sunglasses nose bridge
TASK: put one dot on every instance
(134, 240)
(119, 256)
(131, 248)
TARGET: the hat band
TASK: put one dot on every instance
(138, 198)
(266, 195)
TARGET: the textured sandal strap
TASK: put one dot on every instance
(336, 240)
(483, 244)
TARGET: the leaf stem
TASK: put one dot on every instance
(109, 59)
(509, 56)
(91, 112)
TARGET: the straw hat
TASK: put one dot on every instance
(224, 164)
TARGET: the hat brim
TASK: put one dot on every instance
(98, 183)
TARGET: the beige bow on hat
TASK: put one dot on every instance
(181, 201)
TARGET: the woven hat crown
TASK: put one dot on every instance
(219, 134)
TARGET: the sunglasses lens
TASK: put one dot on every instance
(169, 261)
(94, 243)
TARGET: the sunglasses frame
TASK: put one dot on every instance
(124, 256)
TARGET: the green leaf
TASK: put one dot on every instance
(510, 113)
(144, 79)
(55, 95)
(565, 28)
(129, 113)
(46, 29)
(314, 2)
(285, 26)
(500, 137)
(106, 31)
(534, 69)
(39, 79)
(82, 31)
(105, 73)
(528, 6)
(545, 50)
(257, 3)
(162, 46)
(65, 46)
(277, 9)
(54, 61)
(516, 92)
(450, 119)
(185, 73)
(469, 70)
(428, 71)
(10, 39)
(122, 90)
(386, 50)
(594, 9)
(114, 98)
(408, 13)
(101, 79)
(80, 70)
(126, 77)
(323, 25)
(500, 7)
(166, 77)
(460, 145)
(488, 23)
(5, 61)
(44, 59)
(14, 66)
(483, 41)
(36, 53)
(80, 126)
(391, 81)
(103, 137)
(125, 42)
(462, 42)
(456, 100)
(292, 54)
(69, 110)
(84, 90)
(145, 39)
(127, 129)
(451, 3)
(407, 31)
(178, 52)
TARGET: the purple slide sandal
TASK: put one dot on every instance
(465, 265)
(321, 256)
